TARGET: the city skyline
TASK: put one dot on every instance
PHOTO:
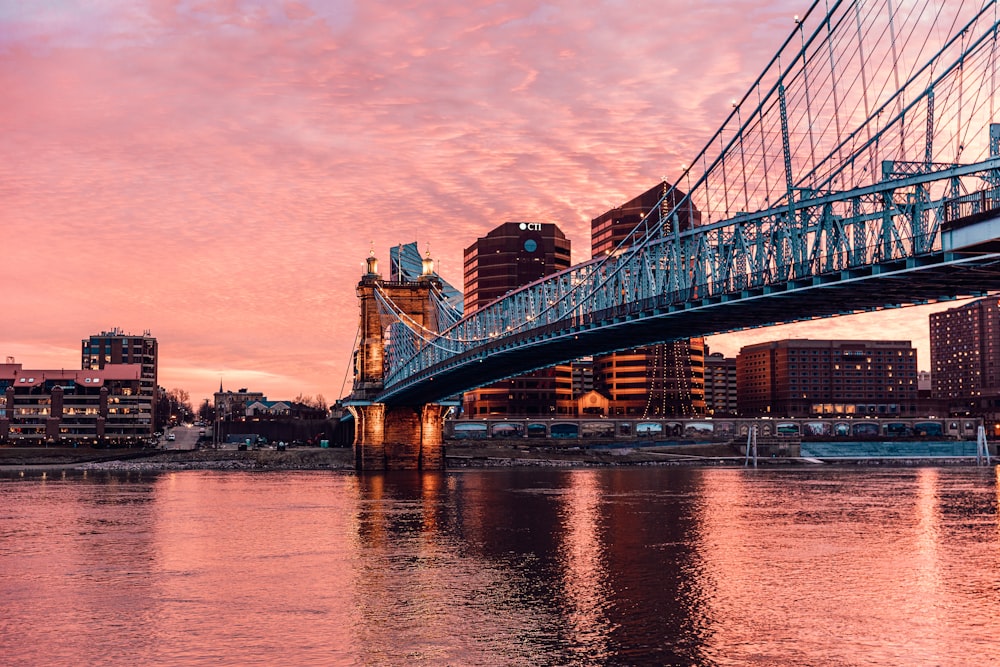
(216, 174)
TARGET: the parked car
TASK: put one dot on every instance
(171, 436)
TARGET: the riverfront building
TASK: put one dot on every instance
(658, 380)
(965, 350)
(511, 256)
(802, 378)
(115, 347)
(109, 401)
(51, 407)
(965, 359)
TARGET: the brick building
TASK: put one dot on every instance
(88, 407)
(965, 359)
(720, 384)
(655, 380)
(801, 378)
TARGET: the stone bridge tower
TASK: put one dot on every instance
(393, 437)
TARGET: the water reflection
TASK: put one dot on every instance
(621, 566)
(583, 557)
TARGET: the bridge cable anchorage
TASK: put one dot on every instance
(854, 90)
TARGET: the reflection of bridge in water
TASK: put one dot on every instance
(860, 171)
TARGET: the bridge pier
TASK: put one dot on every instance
(393, 437)
(398, 437)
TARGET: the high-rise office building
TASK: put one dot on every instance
(656, 380)
(511, 256)
(620, 228)
(803, 378)
(406, 265)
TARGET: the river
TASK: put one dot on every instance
(621, 566)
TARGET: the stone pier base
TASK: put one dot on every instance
(398, 438)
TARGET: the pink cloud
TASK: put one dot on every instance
(215, 171)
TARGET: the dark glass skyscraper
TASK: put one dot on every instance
(511, 256)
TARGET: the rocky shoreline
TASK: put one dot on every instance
(155, 460)
(457, 457)
(341, 458)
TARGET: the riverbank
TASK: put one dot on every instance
(458, 456)
(312, 458)
(475, 455)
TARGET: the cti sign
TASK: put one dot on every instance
(531, 226)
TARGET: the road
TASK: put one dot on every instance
(186, 437)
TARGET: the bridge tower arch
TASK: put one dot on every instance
(393, 436)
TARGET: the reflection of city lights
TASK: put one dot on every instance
(584, 558)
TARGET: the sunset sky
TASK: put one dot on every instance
(215, 172)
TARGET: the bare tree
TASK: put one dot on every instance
(319, 402)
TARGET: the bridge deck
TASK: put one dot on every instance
(970, 267)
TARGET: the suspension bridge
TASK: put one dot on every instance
(860, 171)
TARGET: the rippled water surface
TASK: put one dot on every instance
(819, 566)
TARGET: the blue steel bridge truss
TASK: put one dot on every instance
(860, 171)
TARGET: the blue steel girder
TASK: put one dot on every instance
(835, 236)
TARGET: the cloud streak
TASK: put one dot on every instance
(214, 171)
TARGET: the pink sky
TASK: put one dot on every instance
(215, 171)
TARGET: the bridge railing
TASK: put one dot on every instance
(967, 207)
